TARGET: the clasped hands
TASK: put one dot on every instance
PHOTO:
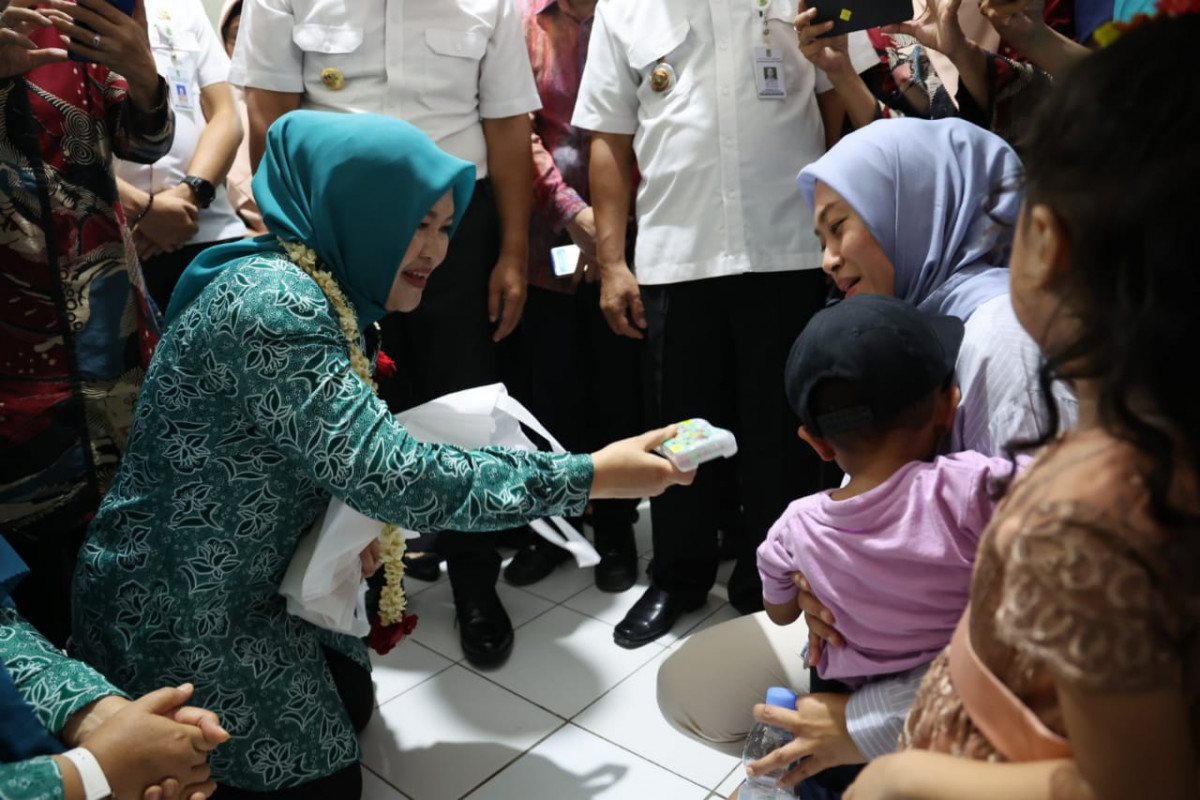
(152, 748)
(169, 223)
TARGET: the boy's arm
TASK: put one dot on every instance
(776, 565)
(782, 613)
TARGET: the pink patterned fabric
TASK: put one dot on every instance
(1007, 723)
(1077, 584)
(558, 45)
(76, 327)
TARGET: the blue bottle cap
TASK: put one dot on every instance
(781, 696)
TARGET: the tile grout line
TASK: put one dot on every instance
(564, 721)
(423, 681)
(635, 754)
(574, 721)
(521, 755)
(551, 600)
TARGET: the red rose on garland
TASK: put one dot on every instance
(383, 638)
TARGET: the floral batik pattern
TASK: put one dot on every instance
(251, 419)
(55, 687)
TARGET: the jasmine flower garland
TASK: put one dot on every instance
(391, 599)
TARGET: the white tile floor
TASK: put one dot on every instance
(571, 716)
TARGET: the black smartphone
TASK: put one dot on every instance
(858, 15)
(124, 6)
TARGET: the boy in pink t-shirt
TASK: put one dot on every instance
(890, 553)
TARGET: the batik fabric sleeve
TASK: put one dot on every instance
(904, 82)
(76, 328)
(33, 779)
(1015, 90)
(55, 687)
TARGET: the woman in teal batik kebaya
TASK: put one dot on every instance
(253, 415)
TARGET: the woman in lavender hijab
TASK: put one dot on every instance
(923, 211)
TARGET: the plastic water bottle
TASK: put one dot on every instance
(764, 739)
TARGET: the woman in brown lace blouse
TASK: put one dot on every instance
(1076, 671)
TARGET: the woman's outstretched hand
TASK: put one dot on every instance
(627, 469)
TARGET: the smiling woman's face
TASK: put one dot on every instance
(853, 259)
(426, 250)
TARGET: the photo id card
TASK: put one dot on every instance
(768, 73)
(180, 84)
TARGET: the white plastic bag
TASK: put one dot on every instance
(323, 583)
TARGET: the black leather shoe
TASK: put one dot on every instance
(617, 571)
(652, 616)
(533, 562)
(618, 566)
(484, 630)
(423, 566)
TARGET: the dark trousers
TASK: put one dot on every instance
(828, 784)
(585, 382)
(44, 596)
(717, 350)
(445, 345)
(162, 272)
(358, 694)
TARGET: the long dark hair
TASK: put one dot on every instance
(1115, 154)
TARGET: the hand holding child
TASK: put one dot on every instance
(817, 617)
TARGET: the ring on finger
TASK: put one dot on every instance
(96, 41)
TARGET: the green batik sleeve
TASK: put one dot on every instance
(33, 779)
(54, 685)
(294, 380)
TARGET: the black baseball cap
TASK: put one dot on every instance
(891, 353)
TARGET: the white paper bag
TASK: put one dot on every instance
(323, 583)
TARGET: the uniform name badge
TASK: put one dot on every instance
(768, 73)
(181, 89)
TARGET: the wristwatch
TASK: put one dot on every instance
(95, 784)
(203, 189)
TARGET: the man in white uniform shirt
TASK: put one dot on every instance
(189, 211)
(459, 71)
(728, 269)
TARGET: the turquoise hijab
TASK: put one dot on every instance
(354, 188)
